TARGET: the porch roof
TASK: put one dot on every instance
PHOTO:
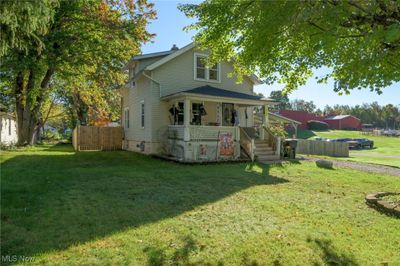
(281, 118)
(219, 94)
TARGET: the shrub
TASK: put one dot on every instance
(317, 125)
(278, 130)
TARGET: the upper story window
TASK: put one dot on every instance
(201, 72)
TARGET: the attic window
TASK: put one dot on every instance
(203, 73)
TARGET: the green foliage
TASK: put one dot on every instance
(281, 98)
(79, 49)
(285, 40)
(278, 130)
(21, 23)
(302, 105)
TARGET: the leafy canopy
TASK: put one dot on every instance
(285, 40)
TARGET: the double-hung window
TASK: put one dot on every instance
(202, 72)
(142, 114)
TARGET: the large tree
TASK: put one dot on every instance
(359, 41)
(82, 36)
(281, 98)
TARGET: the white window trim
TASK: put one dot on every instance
(142, 114)
(126, 120)
(207, 70)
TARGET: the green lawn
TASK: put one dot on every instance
(386, 151)
(122, 208)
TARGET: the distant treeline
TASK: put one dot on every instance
(382, 116)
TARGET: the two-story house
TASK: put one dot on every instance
(176, 106)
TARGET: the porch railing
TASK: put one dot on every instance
(272, 140)
(198, 133)
(247, 143)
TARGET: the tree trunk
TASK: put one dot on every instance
(26, 121)
(28, 109)
(81, 109)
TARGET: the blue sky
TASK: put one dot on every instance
(169, 30)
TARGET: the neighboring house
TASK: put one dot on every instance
(176, 106)
(343, 122)
(334, 121)
(8, 129)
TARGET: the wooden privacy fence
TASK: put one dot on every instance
(316, 147)
(86, 138)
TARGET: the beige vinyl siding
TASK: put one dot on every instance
(159, 114)
(178, 75)
(132, 99)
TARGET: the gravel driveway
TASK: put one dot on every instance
(374, 168)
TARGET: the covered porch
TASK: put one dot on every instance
(211, 124)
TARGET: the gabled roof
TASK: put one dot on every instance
(336, 117)
(168, 58)
(151, 55)
(169, 55)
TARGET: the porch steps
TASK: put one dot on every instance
(264, 152)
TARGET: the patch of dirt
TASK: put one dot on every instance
(373, 168)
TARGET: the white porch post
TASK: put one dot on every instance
(186, 119)
(295, 130)
(264, 120)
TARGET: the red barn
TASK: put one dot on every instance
(343, 122)
(301, 116)
(334, 121)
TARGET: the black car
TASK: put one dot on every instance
(364, 143)
(342, 140)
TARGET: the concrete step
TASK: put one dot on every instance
(261, 153)
(263, 148)
(268, 158)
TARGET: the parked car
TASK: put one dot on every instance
(342, 140)
(391, 133)
(364, 143)
(356, 143)
(322, 139)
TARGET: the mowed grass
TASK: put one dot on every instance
(386, 150)
(120, 208)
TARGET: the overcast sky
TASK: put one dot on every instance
(169, 30)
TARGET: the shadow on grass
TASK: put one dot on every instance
(330, 256)
(52, 202)
(157, 256)
(264, 169)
